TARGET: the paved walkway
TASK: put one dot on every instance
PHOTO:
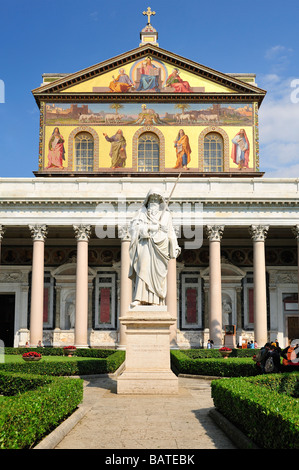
(146, 422)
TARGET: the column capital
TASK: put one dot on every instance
(82, 232)
(2, 230)
(295, 231)
(124, 233)
(214, 232)
(258, 232)
(38, 232)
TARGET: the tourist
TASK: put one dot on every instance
(263, 355)
(275, 355)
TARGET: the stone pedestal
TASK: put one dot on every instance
(230, 341)
(147, 368)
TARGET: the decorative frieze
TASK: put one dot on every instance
(13, 276)
(283, 277)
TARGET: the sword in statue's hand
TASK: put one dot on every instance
(168, 200)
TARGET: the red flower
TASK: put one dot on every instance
(224, 349)
(69, 347)
(32, 354)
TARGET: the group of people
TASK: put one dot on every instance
(39, 344)
(269, 356)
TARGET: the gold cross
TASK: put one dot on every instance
(149, 13)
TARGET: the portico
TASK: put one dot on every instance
(252, 265)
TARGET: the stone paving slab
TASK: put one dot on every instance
(113, 421)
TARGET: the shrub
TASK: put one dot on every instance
(205, 353)
(14, 384)
(115, 360)
(231, 367)
(49, 351)
(70, 366)
(257, 407)
(27, 417)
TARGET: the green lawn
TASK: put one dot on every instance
(14, 359)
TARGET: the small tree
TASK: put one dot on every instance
(116, 106)
(183, 107)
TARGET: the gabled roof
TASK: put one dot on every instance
(240, 89)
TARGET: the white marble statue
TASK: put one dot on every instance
(153, 243)
(226, 313)
(71, 314)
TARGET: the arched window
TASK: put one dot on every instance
(148, 152)
(213, 152)
(84, 152)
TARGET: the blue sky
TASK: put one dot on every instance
(260, 36)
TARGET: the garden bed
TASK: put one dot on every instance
(32, 406)
(84, 362)
(265, 408)
(214, 366)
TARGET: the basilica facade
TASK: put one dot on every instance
(110, 133)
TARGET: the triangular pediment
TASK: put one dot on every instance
(149, 70)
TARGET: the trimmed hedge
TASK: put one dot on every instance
(71, 366)
(214, 353)
(231, 367)
(27, 417)
(257, 407)
(49, 351)
(14, 384)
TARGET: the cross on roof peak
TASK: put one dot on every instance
(149, 13)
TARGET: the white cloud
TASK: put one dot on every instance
(94, 15)
(279, 128)
(277, 52)
(278, 57)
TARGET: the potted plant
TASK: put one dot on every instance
(224, 351)
(69, 350)
(32, 356)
